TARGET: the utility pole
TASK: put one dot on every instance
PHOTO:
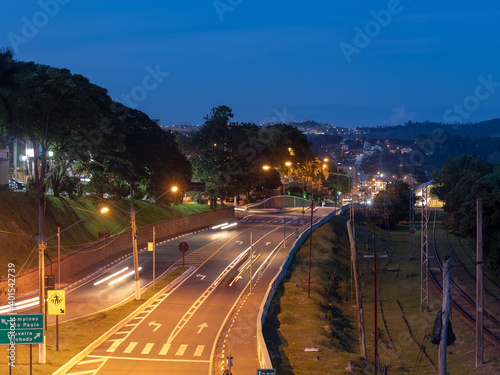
(310, 249)
(284, 215)
(412, 219)
(375, 310)
(386, 213)
(42, 348)
(424, 255)
(359, 302)
(445, 317)
(154, 257)
(251, 258)
(479, 285)
(134, 246)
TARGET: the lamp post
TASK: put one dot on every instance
(42, 244)
(174, 190)
(135, 234)
(266, 168)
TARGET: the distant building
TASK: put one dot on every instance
(4, 169)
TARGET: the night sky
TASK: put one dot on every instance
(352, 63)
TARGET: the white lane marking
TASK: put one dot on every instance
(201, 326)
(130, 347)
(164, 349)
(147, 348)
(158, 325)
(181, 350)
(89, 361)
(114, 346)
(199, 350)
(152, 359)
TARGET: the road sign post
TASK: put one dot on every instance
(21, 329)
(56, 305)
(56, 302)
(183, 247)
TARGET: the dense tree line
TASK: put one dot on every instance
(86, 131)
(461, 181)
(229, 157)
(128, 154)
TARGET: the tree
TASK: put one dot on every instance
(397, 197)
(454, 181)
(461, 181)
(212, 153)
(9, 86)
(148, 155)
(61, 108)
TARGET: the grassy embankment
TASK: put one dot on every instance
(21, 210)
(327, 321)
(76, 335)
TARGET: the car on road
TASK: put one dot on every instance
(18, 185)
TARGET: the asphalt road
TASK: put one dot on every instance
(178, 332)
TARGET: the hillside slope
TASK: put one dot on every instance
(21, 210)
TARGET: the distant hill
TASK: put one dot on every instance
(412, 130)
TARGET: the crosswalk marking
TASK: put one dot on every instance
(181, 350)
(89, 361)
(113, 347)
(130, 347)
(164, 349)
(199, 350)
(147, 348)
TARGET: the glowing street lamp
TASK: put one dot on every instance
(174, 189)
(266, 168)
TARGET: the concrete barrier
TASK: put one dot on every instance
(262, 352)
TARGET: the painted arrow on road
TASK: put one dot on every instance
(239, 242)
(201, 276)
(268, 243)
(158, 325)
(201, 326)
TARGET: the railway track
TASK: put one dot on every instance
(460, 300)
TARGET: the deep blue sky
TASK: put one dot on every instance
(274, 60)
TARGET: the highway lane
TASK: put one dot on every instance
(179, 330)
(84, 298)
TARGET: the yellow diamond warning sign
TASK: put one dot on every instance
(56, 302)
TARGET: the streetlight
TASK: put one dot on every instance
(135, 235)
(42, 244)
(288, 164)
(266, 168)
(174, 189)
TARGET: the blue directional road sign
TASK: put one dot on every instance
(21, 329)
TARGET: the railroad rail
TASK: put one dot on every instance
(460, 300)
